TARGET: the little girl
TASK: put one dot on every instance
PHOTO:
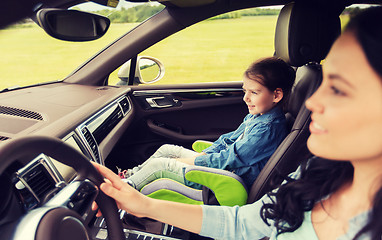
(267, 84)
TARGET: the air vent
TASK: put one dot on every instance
(103, 88)
(36, 181)
(39, 180)
(2, 138)
(92, 144)
(108, 124)
(124, 103)
(20, 113)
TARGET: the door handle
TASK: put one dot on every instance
(161, 102)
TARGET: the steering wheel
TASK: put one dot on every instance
(60, 218)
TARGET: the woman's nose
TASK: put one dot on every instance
(313, 103)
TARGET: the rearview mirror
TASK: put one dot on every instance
(72, 25)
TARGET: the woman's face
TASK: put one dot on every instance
(257, 97)
(347, 107)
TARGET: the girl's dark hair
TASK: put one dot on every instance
(321, 177)
(274, 73)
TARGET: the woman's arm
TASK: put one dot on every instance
(185, 216)
(218, 222)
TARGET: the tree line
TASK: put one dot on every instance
(130, 15)
(141, 12)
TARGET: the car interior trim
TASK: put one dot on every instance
(86, 130)
(36, 179)
(151, 92)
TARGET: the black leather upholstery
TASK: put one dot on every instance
(293, 149)
(305, 33)
(303, 38)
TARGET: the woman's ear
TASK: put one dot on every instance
(278, 95)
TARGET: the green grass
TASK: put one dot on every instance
(217, 50)
(29, 55)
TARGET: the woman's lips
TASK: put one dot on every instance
(315, 128)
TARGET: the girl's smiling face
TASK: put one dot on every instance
(258, 98)
(347, 107)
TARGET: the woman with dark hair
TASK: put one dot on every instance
(335, 195)
(342, 196)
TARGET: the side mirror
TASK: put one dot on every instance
(148, 70)
(72, 25)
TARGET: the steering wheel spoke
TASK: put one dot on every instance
(77, 196)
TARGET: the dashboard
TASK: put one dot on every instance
(88, 118)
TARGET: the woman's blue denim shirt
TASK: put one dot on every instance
(221, 222)
(246, 154)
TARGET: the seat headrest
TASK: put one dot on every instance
(305, 33)
(309, 77)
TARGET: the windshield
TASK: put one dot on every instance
(217, 49)
(30, 56)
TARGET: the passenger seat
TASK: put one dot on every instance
(303, 38)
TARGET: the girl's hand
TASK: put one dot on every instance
(126, 197)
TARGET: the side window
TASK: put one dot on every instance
(351, 11)
(215, 50)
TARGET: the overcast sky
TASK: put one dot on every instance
(90, 6)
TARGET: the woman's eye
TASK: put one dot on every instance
(254, 93)
(336, 91)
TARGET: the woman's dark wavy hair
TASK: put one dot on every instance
(274, 73)
(321, 177)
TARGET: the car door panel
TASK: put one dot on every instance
(179, 116)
